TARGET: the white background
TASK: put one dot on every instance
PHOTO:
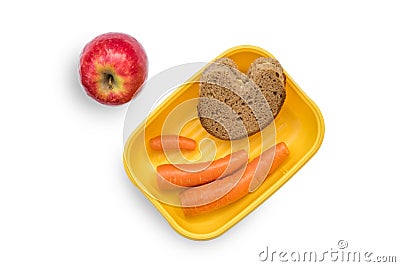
(65, 199)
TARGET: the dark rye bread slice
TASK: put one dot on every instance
(231, 106)
(268, 74)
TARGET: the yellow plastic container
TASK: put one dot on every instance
(299, 124)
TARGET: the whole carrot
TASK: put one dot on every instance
(171, 175)
(172, 142)
(254, 171)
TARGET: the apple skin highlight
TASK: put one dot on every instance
(113, 66)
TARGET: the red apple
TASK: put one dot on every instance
(113, 66)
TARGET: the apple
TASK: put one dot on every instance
(113, 66)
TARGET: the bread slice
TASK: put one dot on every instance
(231, 106)
(268, 74)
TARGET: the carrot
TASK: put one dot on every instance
(172, 142)
(192, 199)
(171, 175)
(207, 193)
(269, 161)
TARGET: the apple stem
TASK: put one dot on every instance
(110, 82)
